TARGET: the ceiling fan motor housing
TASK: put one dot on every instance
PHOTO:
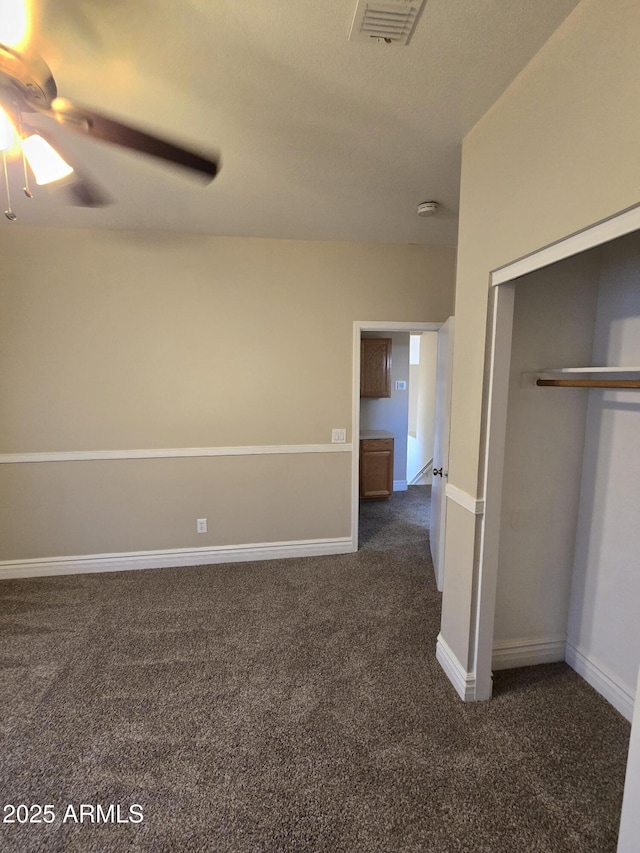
(29, 77)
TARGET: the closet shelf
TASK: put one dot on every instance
(610, 369)
(549, 377)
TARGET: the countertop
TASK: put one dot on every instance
(375, 433)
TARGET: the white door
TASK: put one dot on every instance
(444, 369)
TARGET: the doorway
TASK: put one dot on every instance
(380, 328)
(423, 352)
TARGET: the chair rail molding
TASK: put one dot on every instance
(171, 453)
(464, 499)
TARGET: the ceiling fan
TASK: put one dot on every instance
(27, 87)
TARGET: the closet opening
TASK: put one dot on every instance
(558, 577)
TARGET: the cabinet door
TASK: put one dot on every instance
(375, 367)
(376, 468)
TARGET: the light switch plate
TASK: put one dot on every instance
(338, 436)
(401, 385)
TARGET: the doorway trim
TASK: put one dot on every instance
(502, 293)
(360, 326)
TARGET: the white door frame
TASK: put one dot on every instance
(444, 371)
(503, 293)
(360, 326)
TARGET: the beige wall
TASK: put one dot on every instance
(59, 509)
(556, 153)
(116, 340)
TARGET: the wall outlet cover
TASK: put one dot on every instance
(401, 385)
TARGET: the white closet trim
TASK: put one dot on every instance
(595, 235)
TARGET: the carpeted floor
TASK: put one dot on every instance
(402, 520)
(294, 705)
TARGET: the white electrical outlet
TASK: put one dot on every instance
(338, 436)
(201, 525)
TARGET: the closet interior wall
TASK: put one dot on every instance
(568, 579)
(604, 628)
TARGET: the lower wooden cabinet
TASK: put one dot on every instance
(376, 468)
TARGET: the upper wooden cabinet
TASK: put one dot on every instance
(375, 367)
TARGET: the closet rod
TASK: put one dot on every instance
(589, 383)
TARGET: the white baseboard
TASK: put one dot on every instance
(508, 654)
(400, 486)
(463, 681)
(600, 677)
(173, 557)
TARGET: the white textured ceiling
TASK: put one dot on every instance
(320, 138)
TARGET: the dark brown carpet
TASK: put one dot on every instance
(402, 520)
(289, 706)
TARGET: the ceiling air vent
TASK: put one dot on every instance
(387, 22)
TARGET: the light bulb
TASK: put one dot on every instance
(14, 23)
(7, 132)
(47, 165)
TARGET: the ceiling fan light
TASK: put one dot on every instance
(7, 132)
(47, 165)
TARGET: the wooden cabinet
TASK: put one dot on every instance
(375, 367)
(376, 468)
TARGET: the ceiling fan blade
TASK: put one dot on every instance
(87, 121)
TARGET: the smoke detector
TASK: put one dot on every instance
(428, 208)
(387, 22)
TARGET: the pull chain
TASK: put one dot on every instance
(8, 212)
(25, 188)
